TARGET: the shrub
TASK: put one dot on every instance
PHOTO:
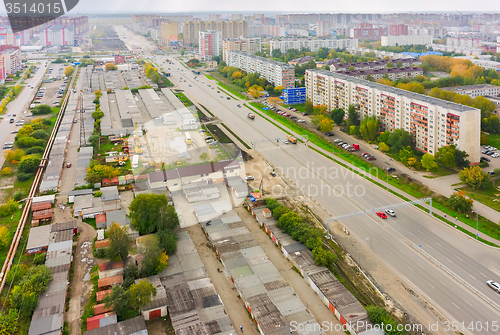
(6, 171)
(39, 259)
(18, 196)
(21, 176)
(35, 150)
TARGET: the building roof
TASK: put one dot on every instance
(380, 71)
(395, 91)
(43, 214)
(118, 217)
(61, 246)
(50, 304)
(47, 324)
(110, 265)
(80, 192)
(82, 202)
(135, 326)
(38, 206)
(470, 87)
(39, 237)
(100, 309)
(43, 198)
(63, 235)
(102, 244)
(263, 59)
(101, 294)
(100, 218)
(72, 224)
(110, 281)
(109, 193)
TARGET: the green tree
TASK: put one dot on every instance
(460, 202)
(323, 257)
(383, 147)
(446, 155)
(141, 294)
(279, 211)
(369, 128)
(168, 241)
(98, 114)
(399, 139)
(204, 156)
(461, 160)
(474, 177)
(405, 154)
(29, 163)
(309, 107)
(337, 115)
(9, 322)
(325, 125)
(119, 300)
(119, 242)
(24, 295)
(151, 252)
(41, 109)
(40, 134)
(352, 116)
(151, 212)
(428, 162)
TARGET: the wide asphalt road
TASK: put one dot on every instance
(342, 192)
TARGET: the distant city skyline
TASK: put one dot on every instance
(261, 6)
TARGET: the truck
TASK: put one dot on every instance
(355, 147)
(291, 139)
(251, 116)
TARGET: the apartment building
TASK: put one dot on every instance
(378, 64)
(229, 29)
(432, 122)
(57, 36)
(169, 33)
(301, 60)
(210, 44)
(248, 45)
(392, 74)
(313, 45)
(475, 90)
(323, 29)
(498, 44)
(277, 73)
(391, 41)
(366, 31)
(398, 29)
(464, 50)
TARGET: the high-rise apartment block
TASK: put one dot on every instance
(248, 45)
(57, 36)
(277, 73)
(392, 41)
(398, 29)
(213, 17)
(313, 45)
(433, 123)
(169, 33)
(366, 31)
(229, 29)
(498, 44)
(209, 44)
(323, 29)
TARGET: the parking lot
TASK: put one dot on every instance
(493, 155)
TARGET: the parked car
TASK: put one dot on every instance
(249, 178)
(337, 140)
(68, 165)
(301, 120)
(329, 134)
(390, 169)
(494, 285)
(286, 141)
(342, 130)
(272, 173)
(486, 159)
(371, 158)
(382, 215)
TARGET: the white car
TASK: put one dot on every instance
(286, 141)
(337, 140)
(247, 178)
(301, 120)
(390, 212)
(494, 285)
(495, 155)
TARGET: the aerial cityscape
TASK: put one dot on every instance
(206, 168)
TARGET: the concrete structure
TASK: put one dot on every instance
(366, 31)
(277, 73)
(398, 29)
(432, 122)
(228, 29)
(169, 33)
(209, 44)
(323, 29)
(57, 36)
(158, 307)
(498, 44)
(475, 90)
(301, 61)
(448, 48)
(313, 45)
(248, 45)
(393, 73)
(378, 64)
(406, 40)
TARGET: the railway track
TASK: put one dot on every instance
(34, 188)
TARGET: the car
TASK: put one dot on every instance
(342, 130)
(486, 159)
(382, 215)
(272, 173)
(218, 91)
(329, 134)
(11, 121)
(494, 285)
(293, 117)
(189, 85)
(286, 141)
(304, 114)
(221, 96)
(495, 155)
(364, 154)
(14, 131)
(75, 120)
(390, 169)
(249, 178)
(484, 151)
(202, 130)
(337, 140)
(286, 115)
(68, 165)
(301, 120)
(390, 212)
(491, 173)
(370, 158)
(489, 153)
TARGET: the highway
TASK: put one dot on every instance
(18, 106)
(342, 192)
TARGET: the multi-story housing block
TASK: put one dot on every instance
(248, 45)
(229, 29)
(378, 64)
(392, 74)
(405, 40)
(313, 45)
(366, 31)
(432, 122)
(209, 44)
(277, 73)
(169, 33)
(475, 90)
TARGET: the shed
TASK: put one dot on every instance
(41, 206)
(266, 212)
(100, 295)
(44, 198)
(82, 202)
(66, 246)
(101, 320)
(118, 217)
(44, 215)
(158, 307)
(66, 225)
(106, 283)
(109, 193)
(100, 220)
(122, 180)
(50, 324)
(135, 326)
(100, 309)
(102, 244)
(38, 240)
(110, 265)
(129, 178)
(110, 182)
(100, 234)
(72, 194)
(50, 304)
(111, 273)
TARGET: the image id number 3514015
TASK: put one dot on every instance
(33, 8)
(473, 326)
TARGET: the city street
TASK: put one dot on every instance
(341, 192)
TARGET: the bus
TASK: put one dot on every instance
(135, 162)
(189, 140)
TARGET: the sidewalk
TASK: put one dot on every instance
(483, 210)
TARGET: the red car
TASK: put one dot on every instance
(364, 154)
(382, 215)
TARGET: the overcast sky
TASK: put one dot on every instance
(291, 6)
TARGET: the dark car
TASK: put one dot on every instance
(489, 153)
(486, 159)
(390, 169)
(484, 151)
(329, 134)
(342, 130)
(228, 98)
(304, 114)
(272, 173)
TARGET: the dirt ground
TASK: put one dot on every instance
(159, 327)
(6, 188)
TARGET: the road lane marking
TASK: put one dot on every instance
(449, 260)
(431, 285)
(391, 252)
(460, 259)
(467, 302)
(442, 283)
(410, 268)
(455, 305)
(420, 232)
(420, 266)
(438, 244)
(411, 233)
(482, 275)
(472, 276)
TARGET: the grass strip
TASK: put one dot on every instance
(237, 137)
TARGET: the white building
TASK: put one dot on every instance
(57, 36)
(313, 45)
(248, 45)
(475, 90)
(391, 41)
(323, 29)
(209, 44)
(277, 73)
(498, 44)
(449, 48)
(432, 122)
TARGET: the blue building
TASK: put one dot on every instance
(294, 96)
